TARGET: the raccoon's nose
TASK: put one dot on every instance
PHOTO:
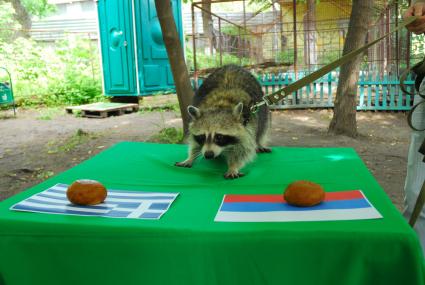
(209, 154)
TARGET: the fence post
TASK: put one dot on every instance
(383, 80)
(330, 101)
(321, 91)
(391, 89)
(361, 99)
(377, 93)
(369, 91)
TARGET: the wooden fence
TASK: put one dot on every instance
(374, 92)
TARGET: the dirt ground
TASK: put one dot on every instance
(40, 143)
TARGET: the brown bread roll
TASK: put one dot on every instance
(304, 193)
(86, 192)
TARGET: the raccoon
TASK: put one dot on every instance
(222, 123)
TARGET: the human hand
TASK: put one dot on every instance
(417, 9)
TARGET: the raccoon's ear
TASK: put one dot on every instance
(237, 111)
(194, 112)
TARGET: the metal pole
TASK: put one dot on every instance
(195, 77)
(244, 28)
(408, 45)
(240, 56)
(281, 26)
(244, 15)
(388, 57)
(221, 42)
(397, 44)
(381, 47)
(294, 4)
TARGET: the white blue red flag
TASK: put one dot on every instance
(118, 204)
(347, 205)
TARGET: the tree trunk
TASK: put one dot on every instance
(176, 57)
(23, 17)
(310, 34)
(344, 118)
(207, 24)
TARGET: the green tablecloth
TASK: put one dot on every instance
(187, 247)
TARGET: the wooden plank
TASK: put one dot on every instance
(103, 110)
(102, 106)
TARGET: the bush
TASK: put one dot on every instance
(66, 73)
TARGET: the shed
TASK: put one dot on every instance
(134, 58)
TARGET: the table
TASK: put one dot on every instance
(187, 247)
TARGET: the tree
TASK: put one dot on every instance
(38, 8)
(24, 9)
(344, 117)
(23, 17)
(176, 57)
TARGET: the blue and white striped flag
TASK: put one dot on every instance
(118, 204)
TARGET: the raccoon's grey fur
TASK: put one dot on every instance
(222, 123)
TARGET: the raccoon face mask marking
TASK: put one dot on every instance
(217, 139)
(200, 139)
(212, 145)
(224, 140)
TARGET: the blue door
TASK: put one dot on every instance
(154, 72)
(117, 47)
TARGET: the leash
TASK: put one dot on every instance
(280, 94)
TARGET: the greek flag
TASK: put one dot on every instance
(118, 204)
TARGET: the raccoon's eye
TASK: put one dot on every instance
(218, 137)
(200, 139)
(223, 140)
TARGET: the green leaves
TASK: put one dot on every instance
(39, 8)
(7, 20)
(66, 73)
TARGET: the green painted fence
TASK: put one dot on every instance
(374, 92)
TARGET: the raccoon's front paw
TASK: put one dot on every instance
(233, 175)
(262, 149)
(185, 163)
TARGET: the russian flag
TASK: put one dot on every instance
(346, 205)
